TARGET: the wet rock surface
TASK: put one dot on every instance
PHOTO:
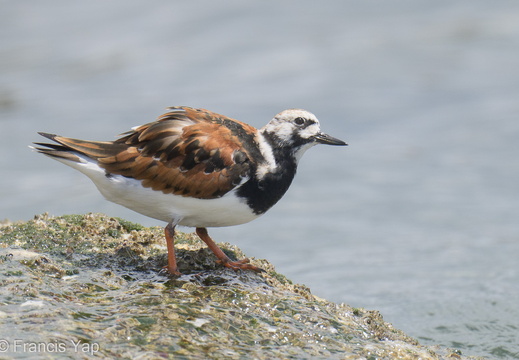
(79, 286)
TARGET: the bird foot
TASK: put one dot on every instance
(170, 271)
(222, 258)
(243, 264)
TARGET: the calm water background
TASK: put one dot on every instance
(417, 218)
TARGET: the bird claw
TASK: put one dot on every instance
(243, 264)
(173, 272)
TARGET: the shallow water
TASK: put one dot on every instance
(417, 218)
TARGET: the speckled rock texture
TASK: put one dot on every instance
(83, 286)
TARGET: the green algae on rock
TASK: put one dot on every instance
(81, 285)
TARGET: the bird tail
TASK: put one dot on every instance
(75, 149)
(57, 151)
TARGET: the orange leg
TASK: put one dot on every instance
(170, 241)
(222, 258)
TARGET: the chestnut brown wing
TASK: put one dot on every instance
(188, 152)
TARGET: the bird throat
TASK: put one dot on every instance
(262, 193)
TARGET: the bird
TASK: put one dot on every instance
(196, 168)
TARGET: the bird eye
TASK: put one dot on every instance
(299, 121)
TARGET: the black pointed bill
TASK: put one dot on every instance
(328, 140)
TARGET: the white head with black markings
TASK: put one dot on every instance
(297, 129)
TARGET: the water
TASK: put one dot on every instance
(417, 218)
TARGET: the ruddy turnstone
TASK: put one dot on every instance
(196, 168)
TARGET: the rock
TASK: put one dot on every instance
(83, 285)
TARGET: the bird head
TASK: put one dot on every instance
(299, 130)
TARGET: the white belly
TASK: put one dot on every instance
(225, 211)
